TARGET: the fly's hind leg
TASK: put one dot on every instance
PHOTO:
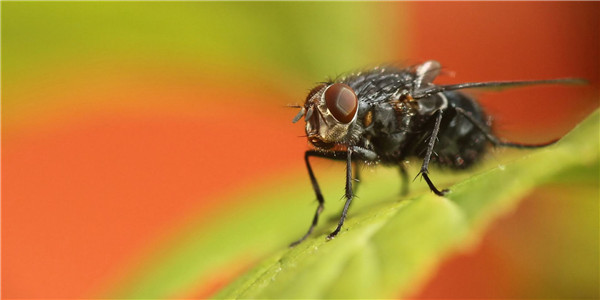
(430, 144)
(493, 139)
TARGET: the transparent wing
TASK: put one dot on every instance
(495, 85)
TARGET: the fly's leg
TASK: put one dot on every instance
(348, 194)
(364, 154)
(356, 179)
(494, 140)
(337, 155)
(356, 176)
(404, 175)
(425, 167)
(360, 153)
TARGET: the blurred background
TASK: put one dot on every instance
(128, 128)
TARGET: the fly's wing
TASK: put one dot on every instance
(425, 73)
(496, 85)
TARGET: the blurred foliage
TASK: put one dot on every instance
(388, 242)
(282, 36)
(388, 245)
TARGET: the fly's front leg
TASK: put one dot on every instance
(337, 155)
(425, 167)
(349, 195)
(360, 154)
(356, 176)
(363, 154)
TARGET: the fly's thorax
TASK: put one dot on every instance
(411, 112)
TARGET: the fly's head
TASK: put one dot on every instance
(329, 111)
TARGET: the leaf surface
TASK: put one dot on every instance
(390, 247)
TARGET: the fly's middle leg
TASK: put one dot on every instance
(405, 181)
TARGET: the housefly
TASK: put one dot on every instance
(387, 114)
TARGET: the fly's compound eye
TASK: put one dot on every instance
(341, 102)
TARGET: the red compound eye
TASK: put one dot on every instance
(341, 102)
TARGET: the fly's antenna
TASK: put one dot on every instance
(299, 115)
(426, 92)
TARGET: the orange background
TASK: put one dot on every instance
(102, 159)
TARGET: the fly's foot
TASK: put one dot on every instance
(332, 235)
(432, 187)
(294, 244)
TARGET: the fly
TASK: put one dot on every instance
(385, 115)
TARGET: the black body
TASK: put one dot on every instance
(387, 115)
(399, 130)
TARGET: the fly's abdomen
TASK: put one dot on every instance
(460, 142)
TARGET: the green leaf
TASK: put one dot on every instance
(390, 247)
